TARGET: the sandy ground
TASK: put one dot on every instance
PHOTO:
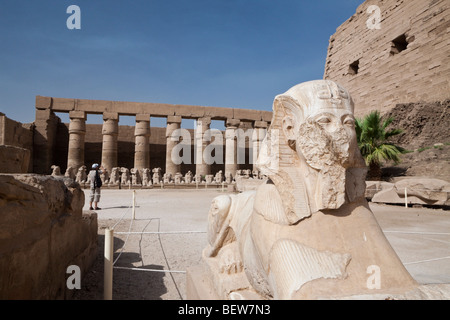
(421, 238)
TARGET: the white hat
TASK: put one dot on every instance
(95, 166)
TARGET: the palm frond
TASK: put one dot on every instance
(372, 139)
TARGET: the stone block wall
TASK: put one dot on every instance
(406, 60)
(43, 231)
(14, 159)
(16, 134)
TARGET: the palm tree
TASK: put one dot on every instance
(372, 136)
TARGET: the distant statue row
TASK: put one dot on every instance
(125, 176)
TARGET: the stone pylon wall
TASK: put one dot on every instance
(406, 59)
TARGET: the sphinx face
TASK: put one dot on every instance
(327, 143)
(326, 139)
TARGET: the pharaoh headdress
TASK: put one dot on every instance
(278, 158)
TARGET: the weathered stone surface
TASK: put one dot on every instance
(373, 187)
(155, 109)
(13, 133)
(384, 77)
(418, 191)
(307, 232)
(247, 184)
(14, 159)
(42, 232)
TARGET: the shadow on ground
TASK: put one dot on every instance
(127, 284)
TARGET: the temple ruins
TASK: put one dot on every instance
(78, 144)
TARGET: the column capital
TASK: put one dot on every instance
(77, 115)
(110, 116)
(110, 127)
(142, 127)
(232, 122)
(261, 124)
(204, 120)
(174, 119)
(142, 117)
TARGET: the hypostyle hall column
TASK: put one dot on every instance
(173, 123)
(201, 167)
(142, 142)
(259, 133)
(231, 147)
(110, 131)
(77, 132)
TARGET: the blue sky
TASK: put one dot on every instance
(233, 53)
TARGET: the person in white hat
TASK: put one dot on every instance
(96, 184)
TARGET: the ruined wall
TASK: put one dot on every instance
(45, 136)
(14, 159)
(406, 60)
(42, 232)
(19, 139)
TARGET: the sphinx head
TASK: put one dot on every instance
(315, 120)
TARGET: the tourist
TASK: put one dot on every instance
(96, 184)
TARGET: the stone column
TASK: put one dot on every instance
(110, 131)
(77, 132)
(203, 124)
(230, 147)
(142, 142)
(173, 123)
(259, 132)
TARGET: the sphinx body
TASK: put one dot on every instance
(307, 232)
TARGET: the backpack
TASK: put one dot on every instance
(97, 180)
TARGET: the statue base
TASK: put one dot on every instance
(200, 286)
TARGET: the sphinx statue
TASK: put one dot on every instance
(188, 177)
(135, 177)
(56, 171)
(146, 179)
(156, 177)
(307, 232)
(115, 176)
(125, 176)
(178, 178)
(70, 173)
(81, 175)
(218, 178)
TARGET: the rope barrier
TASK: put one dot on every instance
(418, 232)
(109, 265)
(428, 260)
(125, 242)
(160, 232)
(150, 270)
(413, 189)
(121, 218)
